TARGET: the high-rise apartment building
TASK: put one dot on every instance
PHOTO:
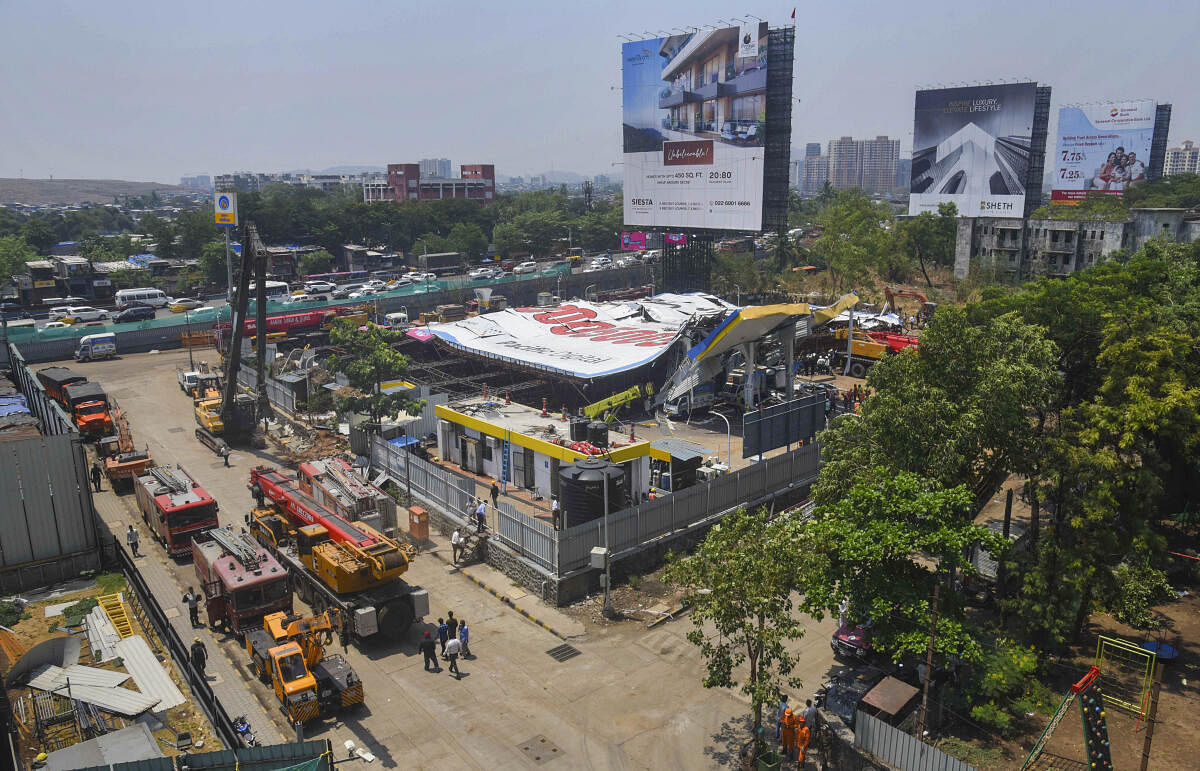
(816, 173)
(1182, 160)
(869, 164)
(435, 167)
(812, 149)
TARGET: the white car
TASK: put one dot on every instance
(78, 313)
(55, 325)
(525, 267)
(301, 298)
(363, 291)
(319, 286)
(480, 274)
(376, 284)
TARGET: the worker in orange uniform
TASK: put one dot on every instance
(803, 737)
(788, 734)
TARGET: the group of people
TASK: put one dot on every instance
(1118, 171)
(454, 638)
(794, 729)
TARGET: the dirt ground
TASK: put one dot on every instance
(640, 599)
(36, 627)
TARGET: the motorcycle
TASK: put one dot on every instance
(242, 728)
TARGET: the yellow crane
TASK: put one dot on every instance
(609, 406)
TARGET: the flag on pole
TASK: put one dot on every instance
(793, 14)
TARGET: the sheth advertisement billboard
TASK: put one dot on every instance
(971, 147)
(694, 113)
(1102, 148)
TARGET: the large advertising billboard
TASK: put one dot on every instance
(971, 147)
(694, 112)
(1102, 148)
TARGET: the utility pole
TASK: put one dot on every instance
(228, 273)
(608, 611)
(929, 661)
(849, 342)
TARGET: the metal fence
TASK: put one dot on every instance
(896, 748)
(54, 420)
(277, 393)
(636, 526)
(450, 492)
(531, 538)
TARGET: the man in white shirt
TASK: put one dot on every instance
(1135, 170)
(555, 511)
(453, 648)
(456, 544)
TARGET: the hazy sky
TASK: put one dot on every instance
(152, 91)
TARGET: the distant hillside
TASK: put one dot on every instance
(65, 191)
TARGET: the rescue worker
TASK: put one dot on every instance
(790, 724)
(803, 737)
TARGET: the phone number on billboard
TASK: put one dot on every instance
(729, 203)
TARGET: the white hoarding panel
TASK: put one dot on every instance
(695, 109)
(1102, 148)
(580, 338)
(972, 147)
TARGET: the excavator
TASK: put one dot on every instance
(233, 417)
(288, 653)
(890, 293)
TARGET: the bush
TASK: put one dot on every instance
(991, 716)
(1003, 686)
(11, 613)
(1139, 588)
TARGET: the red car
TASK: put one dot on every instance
(853, 640)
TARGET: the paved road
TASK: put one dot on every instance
(631, 699)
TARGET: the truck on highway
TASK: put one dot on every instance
(441, 263)
(176, 509)
(349, 567)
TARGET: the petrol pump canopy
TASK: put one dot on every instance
(584, 339)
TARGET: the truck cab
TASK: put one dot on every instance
(89, 408)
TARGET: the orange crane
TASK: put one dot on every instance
(122, 463)
(890, 293)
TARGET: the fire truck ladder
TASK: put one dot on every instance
(170, 480)
(355, 490)
(239, 547)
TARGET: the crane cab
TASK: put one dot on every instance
(295, 686)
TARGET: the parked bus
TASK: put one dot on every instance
(275, 290)
(344, 277)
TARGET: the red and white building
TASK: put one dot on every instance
(404, 182)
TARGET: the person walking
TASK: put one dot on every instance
(495, 496)
(453, 648)
(481, 516)
(803, 736)
(555, 511)
(456, 546)
(783, 705)
(443, 633)
(199, 656)
(464, 637)
(225, 455)
(790, 725)
(809, 715)
(427, 647)
(451, 626)
(132, 538)
(193, 602)
(96, 474)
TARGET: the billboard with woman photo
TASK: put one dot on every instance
(1102, 148)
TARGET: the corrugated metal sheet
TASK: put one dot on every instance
(50, 677)
(45, 512)
(120, 701)
(898, 749)
(101, 634)
(149, 675)
(120, 747)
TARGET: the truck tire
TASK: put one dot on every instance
(395, 618)
(858, 369)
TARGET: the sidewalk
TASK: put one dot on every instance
(226, 679)
(504, 589)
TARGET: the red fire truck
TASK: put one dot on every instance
(175, 508)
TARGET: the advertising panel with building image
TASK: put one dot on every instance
(974, 147)
(695, 110)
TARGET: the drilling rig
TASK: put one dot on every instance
(233, 419)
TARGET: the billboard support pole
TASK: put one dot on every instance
(849, 342)
(228, 271)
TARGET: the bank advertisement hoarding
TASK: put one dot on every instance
(694, 113)
(634, 240)
(972, 147)
(1102, 148)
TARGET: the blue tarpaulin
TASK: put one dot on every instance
(404, 441)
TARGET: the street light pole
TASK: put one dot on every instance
(228, 270)
(187, 320)
(728, 440)
(608, 610)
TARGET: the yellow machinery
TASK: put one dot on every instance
(608, 407)
(289, 654)
(864, 352)
(208, 415)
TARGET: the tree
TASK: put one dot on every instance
(1093, 206)
(929, 237)
(740, 581)
(468, 239)
(14, 253)
(212, 262)
(367, 359)
(163, 234)
(855, 236)
(319, 261)
(887, 543)
(38, 234)
(509, 238)
(196, 228)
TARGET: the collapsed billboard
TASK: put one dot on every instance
(972, 147)
(1102, 148)
(582, 339)
(694, 114)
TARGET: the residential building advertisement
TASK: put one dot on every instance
(694, 112)
(972, 147)
(1102, 148)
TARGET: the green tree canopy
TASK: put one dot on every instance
(320, 261)
(856, 235)
(367, 359)
(929, 238)
(14, 253)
